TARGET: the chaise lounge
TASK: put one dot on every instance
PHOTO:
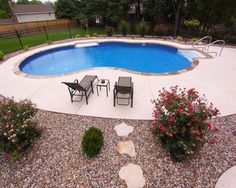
(123, 90)
(82, 88)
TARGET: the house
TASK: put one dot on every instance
(136, 11)
(32, 12)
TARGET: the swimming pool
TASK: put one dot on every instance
(138, 57)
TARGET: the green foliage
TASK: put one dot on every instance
(1, 55)
(49, 42)
(182, 122)
(124, 27)
(5, 11)
(109, 31)
(142, 28)
(28, 2)
(25, 47)
(66, 9)
(191, 23)
(179, 38)
(17, 129)
(92, 142)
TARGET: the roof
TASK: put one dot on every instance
(32, 8)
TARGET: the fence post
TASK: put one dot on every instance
(46, 32)
(69, 30)
(18, 36)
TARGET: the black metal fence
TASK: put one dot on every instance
(23, 38)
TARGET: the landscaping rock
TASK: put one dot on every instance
(123, 129)
(133, 176)
(126, 148)
(227, 179)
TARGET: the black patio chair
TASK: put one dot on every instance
(82, 88)
(123, 90)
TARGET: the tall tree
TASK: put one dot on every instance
(65, 9)
(5, 11)
(178, 8)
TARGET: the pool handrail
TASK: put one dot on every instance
(200, 40)
(215, 42)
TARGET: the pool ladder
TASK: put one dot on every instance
(205, 47)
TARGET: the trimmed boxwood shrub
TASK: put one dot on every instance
(92, 142)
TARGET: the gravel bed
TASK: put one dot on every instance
(56, 159)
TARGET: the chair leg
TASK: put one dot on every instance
(86, 97)
(114, 98)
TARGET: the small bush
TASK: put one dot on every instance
(49, 42)
(191, 23)
(92, 142)
(109, 31)
(142, 28)
(182, 122)
(25, 47)
(124, 27)
(17, 130)
(1, 55)
(179, 38)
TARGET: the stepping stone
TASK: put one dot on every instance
(227, 179)
(126, 148)
(133, 176)
(123, 129)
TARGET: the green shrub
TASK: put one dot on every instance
(142, 28)
(109, 31)
(92, 142)
(25, 47)
(179, 38)
(1, 55)
(17, 129)
(191, 23)
(182, 122)
(124, 27)
(49, 42)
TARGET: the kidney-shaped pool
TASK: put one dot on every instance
(138, 57)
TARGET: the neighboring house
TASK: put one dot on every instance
(32, 12)
(133, 11)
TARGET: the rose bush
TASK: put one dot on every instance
(182, 122)
(17, 130)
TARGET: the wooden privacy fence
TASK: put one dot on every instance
(33, 25)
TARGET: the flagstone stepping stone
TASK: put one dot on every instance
(132, 175)
(227, 179)
(123, 129)
(126, 148)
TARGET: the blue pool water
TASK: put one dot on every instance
(145, 58)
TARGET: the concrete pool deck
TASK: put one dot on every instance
(216, 78)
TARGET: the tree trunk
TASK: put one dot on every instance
(179, 5)
(138, 10)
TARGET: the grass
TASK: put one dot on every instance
(12, 44)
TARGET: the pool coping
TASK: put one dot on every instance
(195, 61)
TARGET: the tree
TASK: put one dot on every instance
(65, 9)
(28, 2)
(178, 8)
(5, 11)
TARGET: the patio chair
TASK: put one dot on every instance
(82, 88)
(123, 90)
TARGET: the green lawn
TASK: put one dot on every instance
(12, 43)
